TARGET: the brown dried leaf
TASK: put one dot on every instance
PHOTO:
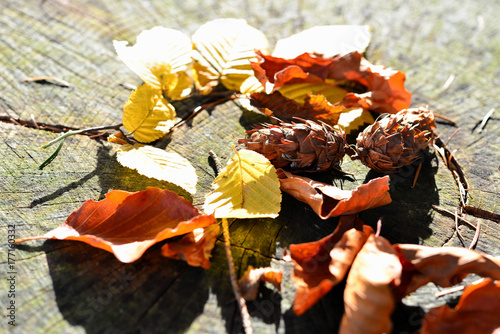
(249, 283)
(445, 266)
(127, 224)
(368, 297)
(195, 247)
(329, 201)
(315, 107)
(322, 264)
(477, 312)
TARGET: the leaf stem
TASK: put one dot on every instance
(245, 316)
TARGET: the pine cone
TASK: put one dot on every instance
(307, 147)
(396, 140)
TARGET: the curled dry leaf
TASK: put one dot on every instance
(127, 224)
(378, 89)
(161, 57)
(322, 264)
(477, 312)
(249, 283)
(315, 108)
(368, 297)
(195, 247)
(329, 201)
(445, 266)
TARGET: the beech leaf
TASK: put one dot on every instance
(368, 299)
(161, 57)
(195, 247)
(223, 51)
(315, 108)
(341, 39)
(147, 114)
(250, 282)
(322, 264)
(246, 188)
(159, 164)
(329, 201)
(127, 224)
(478, 312)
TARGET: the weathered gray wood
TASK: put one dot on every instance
(72, 287)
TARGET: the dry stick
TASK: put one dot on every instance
(417, 173)
(454, 133)
(485, 119)
(456, 228)
(476, 235)
(481, 213)
(245, 316)
(445, 118)
(454, 289)
(49, 79)
(440, 209)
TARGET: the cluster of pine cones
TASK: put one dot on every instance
(391, 142)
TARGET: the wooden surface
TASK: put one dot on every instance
(70, 287)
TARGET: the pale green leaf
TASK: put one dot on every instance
(147, 115)
(159, 164)
(161, 57)
(325, 40)
(247, 188)
(223, 51)
(354, 119)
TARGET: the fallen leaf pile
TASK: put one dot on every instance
(314, 92)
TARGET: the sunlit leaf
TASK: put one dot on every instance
(147, 115)
(333, 93)
(159, 164)
(355, 119)
(325, 40)
(162, 58)
(194, 247)
(246, 188)
(127, 224)
(223, 51)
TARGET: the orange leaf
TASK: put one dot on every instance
(195, 247)
(249, 283)
(381, 90)
(126, 224)
(322, 264)
(329, 201)
(445, 266)
(368, 298)
(477, 312)
(315, 107)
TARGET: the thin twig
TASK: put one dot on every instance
(215, 158)
(485, 119)
(454, 132)
(476, 235)
(417, 173)
(456, 228)
(245, 316)
(447, 119)
(481, 213)
(49, 79)
(451, 214)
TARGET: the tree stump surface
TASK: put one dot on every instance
(449, 51)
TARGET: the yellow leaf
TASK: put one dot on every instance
(326, 40)
(223, 51)
(299, 91)
(159, 164)
(355, 119)
(247, 188)
(161, 57)
(147, 114)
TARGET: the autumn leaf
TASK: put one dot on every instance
(161, 57)
(127, 224)
(329, 201)
(341, 39)
(195, 247)
(322, 264)
(147, 114)
(246, 188)
(477, 312)
(223, 51)
(445, 266)
(368, 299)
(250, 281)
(370, 87)
(315, 108)
(159, 164)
